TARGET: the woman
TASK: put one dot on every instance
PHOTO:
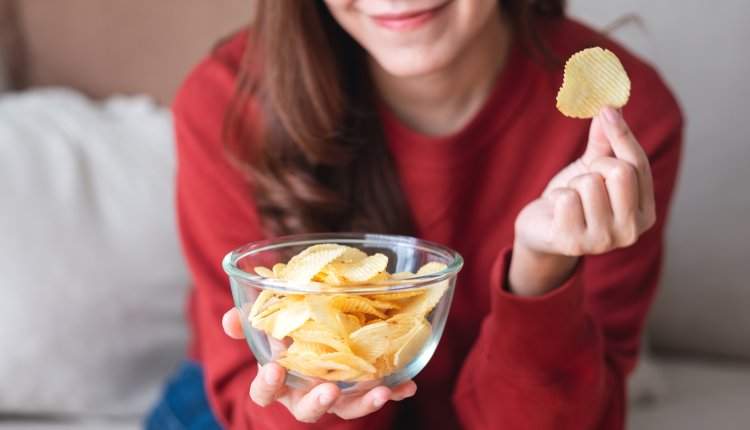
(433, 118)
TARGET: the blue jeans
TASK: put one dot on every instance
(184, 405)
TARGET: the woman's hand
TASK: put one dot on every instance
(602, 201)
(308, 406)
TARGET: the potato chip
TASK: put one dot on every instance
(431, 267)
(271, 305)
(321, 311)
(382, 304)
(405, 320)
(362, 270)
(290, 318)
(382, 276)
(352, 303)
(360, 316)
(311, 364)
(351, 255)
(392, 297)
(384, 366)
(260, 302)
(593, 78)
(350, 360)
(402, 275)
(412, 344)
(349, 375)
(264, 272)
(373, 340)
(324, 337)
(331, 278)
(423, 304)
(299, 346)
(266, 323)
(278, 270)
(305, 265)
(350, 322)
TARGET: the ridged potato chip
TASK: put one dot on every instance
(264, 272)
(362, 270)
(412, 344)
(305, 265)
(301, 346)
(290, 318)
(311, 364)
(260, 302)
(431, 267)
(593, 78)
(392, 297)
(278, 270)
(351, 255)
(323, 312)
(350, 322)
(351, 303)
(349, 359)
(324, 337)
(423, 304)
(402, 275)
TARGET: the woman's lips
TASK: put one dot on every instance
(406, 21)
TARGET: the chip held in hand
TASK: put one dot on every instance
(594, 78)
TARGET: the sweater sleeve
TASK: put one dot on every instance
(560, 360)
(216, 214)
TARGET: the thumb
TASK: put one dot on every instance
(598, 145)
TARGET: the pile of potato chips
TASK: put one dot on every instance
(593, 78)
(340, 336)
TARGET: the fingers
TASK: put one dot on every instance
(621, 181)
(268, 384)
(403, 391)
(618, 134)
(358, 406)
(351, 407)
(597, 210)
(627, 148)
(569, 223)
(232, 324)
(598, 144)
(309, 407)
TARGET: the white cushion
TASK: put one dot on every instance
(92, 281)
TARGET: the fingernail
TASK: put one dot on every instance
(611, 114)
(325, 399)
(272, 377)
(378, 402)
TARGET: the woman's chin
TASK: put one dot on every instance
(413, 65)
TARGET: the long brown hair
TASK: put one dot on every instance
(303, 121)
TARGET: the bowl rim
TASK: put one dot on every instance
(229, 263)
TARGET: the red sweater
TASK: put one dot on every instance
(553, 362)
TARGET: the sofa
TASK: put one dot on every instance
(92, 281)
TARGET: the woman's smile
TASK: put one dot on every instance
(407, 20)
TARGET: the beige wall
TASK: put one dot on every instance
(702, 50)
(127, 46)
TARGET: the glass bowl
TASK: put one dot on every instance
(405, 254)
